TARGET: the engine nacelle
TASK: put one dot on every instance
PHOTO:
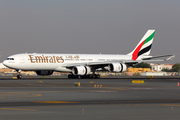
(117, 67)
(81, 70)
(44, 72)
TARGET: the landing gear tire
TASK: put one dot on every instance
(19, 76)
(92, 76)
(69, 76)
(73, 76)
(97, 76)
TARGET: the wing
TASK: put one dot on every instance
(127, 62)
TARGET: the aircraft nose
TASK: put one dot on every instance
(5, 63)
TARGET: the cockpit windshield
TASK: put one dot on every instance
(10, 59)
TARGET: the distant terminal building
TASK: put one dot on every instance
(155, 74)
(132, 71)
(159, 67)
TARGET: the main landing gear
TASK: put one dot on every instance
(92, 76)
(19, 76)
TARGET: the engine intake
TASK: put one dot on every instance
(44, 72)
(117, 67)
(81, 70)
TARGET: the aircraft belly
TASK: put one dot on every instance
(64, 69)
(38, 66)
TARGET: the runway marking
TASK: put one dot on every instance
(77, 90)
(168, 93)
(54, 102)
(158, 93)
(141, 88)
(115, 88)
(144, 101)
(37, 95)
(91, 82)
(137, 81)
(171, 105)
(102, 105)
(103, 91)
(109, 102)
(14, 93)
(18, 109)
(19, 94)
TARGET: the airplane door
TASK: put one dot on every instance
(22, 59)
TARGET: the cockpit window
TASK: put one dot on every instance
(10, 59)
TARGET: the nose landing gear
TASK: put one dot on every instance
(19, 76)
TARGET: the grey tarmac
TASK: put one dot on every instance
(116, 99)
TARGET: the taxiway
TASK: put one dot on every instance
(45, 99)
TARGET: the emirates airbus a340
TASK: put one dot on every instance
(84, 65)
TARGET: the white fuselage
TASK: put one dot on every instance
(56, 62)
(83, 65)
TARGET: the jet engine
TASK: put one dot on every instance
(81, 70)
(117, 67)
(44, 72)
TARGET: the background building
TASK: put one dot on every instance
(159, 67)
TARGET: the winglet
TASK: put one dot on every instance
(170, 58)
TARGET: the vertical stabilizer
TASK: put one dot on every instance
(144, 46)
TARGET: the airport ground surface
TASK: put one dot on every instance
(117, 99)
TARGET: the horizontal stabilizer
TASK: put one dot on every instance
(166, 57)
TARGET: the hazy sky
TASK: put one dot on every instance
(88, 26)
